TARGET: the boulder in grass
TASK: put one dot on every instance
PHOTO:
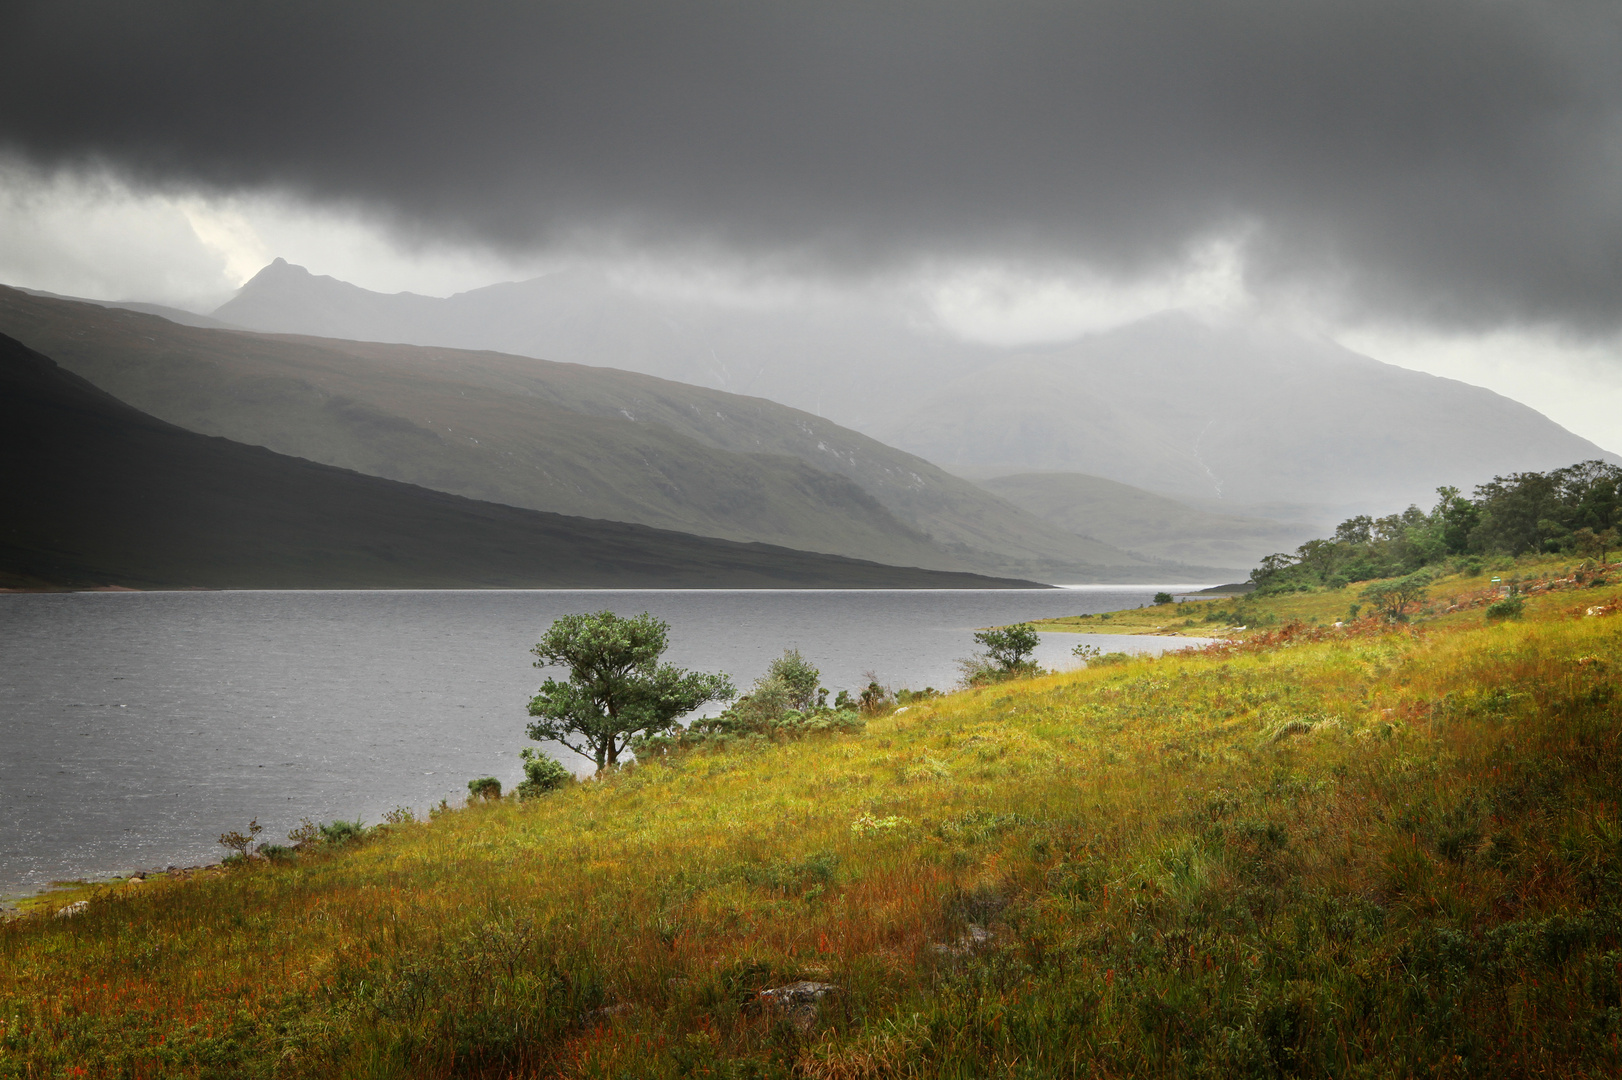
(799, 1002)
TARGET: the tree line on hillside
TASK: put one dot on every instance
(1575, 509)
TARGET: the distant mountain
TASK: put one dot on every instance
(98, 493)
(856, 362)
(1145, 523)
(1237, 418)
(572, 439)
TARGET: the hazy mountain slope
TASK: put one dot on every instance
(954, 512)
(1238, 415)
(853, 361)
(564, 438)
(97, 492)
(1242, 419)
(1146, 523)
(164, 311)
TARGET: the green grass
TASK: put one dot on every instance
(1393, 852)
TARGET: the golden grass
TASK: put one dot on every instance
(1384, 853)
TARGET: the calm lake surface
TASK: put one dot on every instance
(136, 727)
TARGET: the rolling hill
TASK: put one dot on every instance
(99, 493)
(566, 438)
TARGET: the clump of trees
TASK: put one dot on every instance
(1576, 509)
(786, 702)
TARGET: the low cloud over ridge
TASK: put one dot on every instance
(1451, 161)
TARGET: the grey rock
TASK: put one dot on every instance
(800, 1002)
(975, 939)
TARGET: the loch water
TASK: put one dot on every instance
(137, 727)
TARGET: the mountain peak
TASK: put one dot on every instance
(279, 269)
(285, 297)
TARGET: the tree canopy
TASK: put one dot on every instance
(1010, 647)
(617, 689)
(1576, 509)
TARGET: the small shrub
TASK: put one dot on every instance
(487, 788)
(1163, 598)
(542, 774)
(341, 832)
(978, 671)
(875, 697)
(784, 703)
(400, 815)
(797, 678)
(242, 843)
(1510, 607)
(910, 697)
(866, 825)
(277, 852)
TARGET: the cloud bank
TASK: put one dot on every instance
(1453, 162)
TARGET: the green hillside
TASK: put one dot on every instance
(1145, 523)
(1393, 852)
(97, 493)
(570, 439)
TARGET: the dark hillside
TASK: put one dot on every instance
(565, 438)
(97, 492)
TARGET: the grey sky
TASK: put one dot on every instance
(1455, 162)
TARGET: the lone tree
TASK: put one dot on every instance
(617, 688)
(1393, 598)
(1009, 647)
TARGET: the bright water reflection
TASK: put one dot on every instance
(136, 727)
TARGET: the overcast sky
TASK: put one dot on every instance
(1437, 182)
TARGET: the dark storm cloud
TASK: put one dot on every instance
(1460, 160)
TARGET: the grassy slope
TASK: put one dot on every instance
(1146, 523)
(1392, 853)
(566, 438)
(1245, 616)
(98, 493)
